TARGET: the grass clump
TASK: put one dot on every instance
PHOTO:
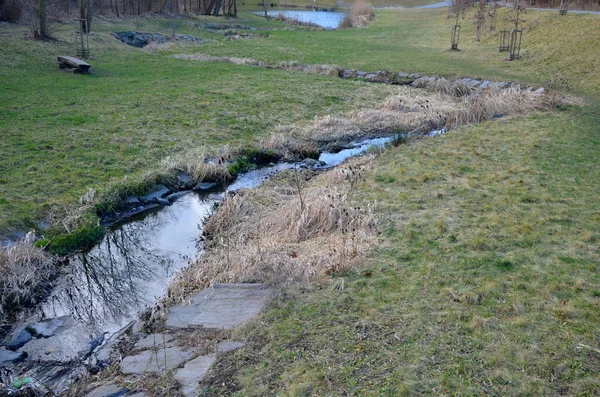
(361, 13)
(24, 270)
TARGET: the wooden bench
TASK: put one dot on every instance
(76, 65)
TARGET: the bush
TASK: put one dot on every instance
(362, 9)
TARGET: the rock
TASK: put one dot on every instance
(184, 179)
(474, 83)
(223, 306)
(8, 357)
(216, 197)
(190, 376)
(227, 346)
(108, 390)
(414, 75)
(502, 84)
(133, 201)
(312, 163)
(402, 74)
(205, 185)
(154, 340)
(46, 328)
(360, 73)
(163, 201)
(173, 197)
(485, 84)
(69, 342)
(346, 73)
(371, 76)
(153, 362)
(539, 91)
(140, 394)
(19, 339)
(139, 210)
(158, 192)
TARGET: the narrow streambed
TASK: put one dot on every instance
(109, 286)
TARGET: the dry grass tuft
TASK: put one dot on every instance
(497, 103)
(196, 164)
(23, 270)
(296, 227)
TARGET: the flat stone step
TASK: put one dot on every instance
(223, 306)
(153, 362)
(192, 374)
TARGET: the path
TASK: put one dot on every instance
(447, 4)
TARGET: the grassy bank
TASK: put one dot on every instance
(485, 281)
(63, 133)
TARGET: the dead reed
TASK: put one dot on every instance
(297, 227)
(23, 270)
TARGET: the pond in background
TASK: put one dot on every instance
(326, 19)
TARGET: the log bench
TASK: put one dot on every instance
(76, 65)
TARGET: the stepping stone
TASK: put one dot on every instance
(8, 357)
(46, 328)
(192, 374)
(158, 192)
(224, 306)
(154, 341)
(173, 197)
(108, 390)
(227, 346)
(68, 342)
(205, 186)
(151, 362)
(19, 339)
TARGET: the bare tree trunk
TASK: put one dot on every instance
(43, 33)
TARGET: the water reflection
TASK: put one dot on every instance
(131, 268)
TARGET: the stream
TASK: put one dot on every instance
(108, 287)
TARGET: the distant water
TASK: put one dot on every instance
(326, 19)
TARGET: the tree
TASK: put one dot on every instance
(457, 7)
(479, 19)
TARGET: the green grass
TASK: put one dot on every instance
(63, 133)
(485, 282)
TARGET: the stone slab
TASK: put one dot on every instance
(46, 328)
(192, 374)
(20, 338)
(108, 390)
(228, 346)
(154, 340)
(69, 342)
(158, 192)
(223, 306)
(8, 357)
(151, 362)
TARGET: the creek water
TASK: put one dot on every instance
(108, 286)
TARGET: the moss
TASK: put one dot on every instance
(82, 238)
